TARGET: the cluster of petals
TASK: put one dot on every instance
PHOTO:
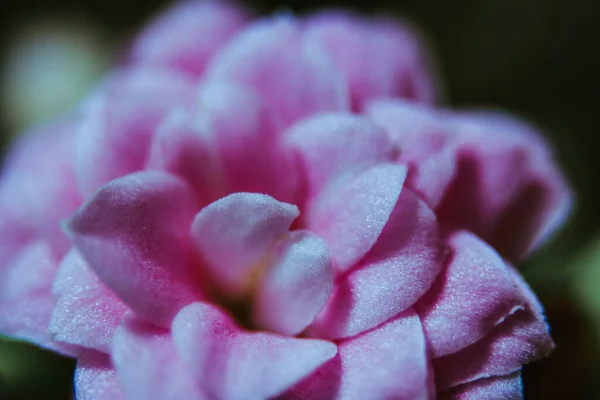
(277, 209)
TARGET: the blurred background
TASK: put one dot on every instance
(535, 58)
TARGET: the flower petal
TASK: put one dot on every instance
(134, 235)
(508, 387)
(232, 364)
(395, 273)
(188, 35)
(379, 57)
(95, 377)
(293, 74)
(388, 362)
(148, 364)
(118, 123)
(474, 294)
(331, 144)
(296, 286)
(234, 234)
(86, 312)
(351, 213)
(425, 143)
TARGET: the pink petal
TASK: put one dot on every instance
(114, 136)
(508, 387)
(86, 312)
(473, 295)
(292, 73)
(232, 364)
(234, 234)
(181, 148)
(351, 213)
(26, 294)
(330, 144)
(188, 35)
(379, 57)
(296, 286)
(387, 363)
(149, 367)
(246, 137)
(134, 235)
(508, 189)
(95, 377)
(424, 140)
(397, 271)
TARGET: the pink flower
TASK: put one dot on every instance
(252, 212)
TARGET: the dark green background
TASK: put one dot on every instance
(538, 58)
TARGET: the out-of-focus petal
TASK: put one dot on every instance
(379, 57)
(95, 377)
(351, 213)
(232, 364)
(397, 271)
(501, 388)
(292, 73)
(134, 234)
(188, 35)
(149, 367)
(474, 294)
(389, 362)
(86, 312)
(234, 234)
(296, 286)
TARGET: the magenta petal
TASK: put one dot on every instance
(350, 214)
(188, 35)
(149, 367)
(397, 271)
(234, 234)
(86, 312)
(379, 58)
(330, 144)
(425, 144)
(26, 294)
(233, 364)
(114, 136)
(296, 286)
(474, 294)
(389, 362)
(292, 73)
(134, 233)
(95, 377)
(246, 137)
(508, 387)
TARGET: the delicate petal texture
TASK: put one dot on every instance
(292, 73)
(246, 137)
(232, 364)
(507, 189)
(379, 58)
(387, 363)
(297, 285)
(134, 235)
(95, 377)
(26, 294)
(425, 144)
(234, 234)
(149, 366)
(475, 293)
(502, 388)
(118, 123)
(397, 271)
(188, 35)
(351, 213)
(330, 144)
(86, 312)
